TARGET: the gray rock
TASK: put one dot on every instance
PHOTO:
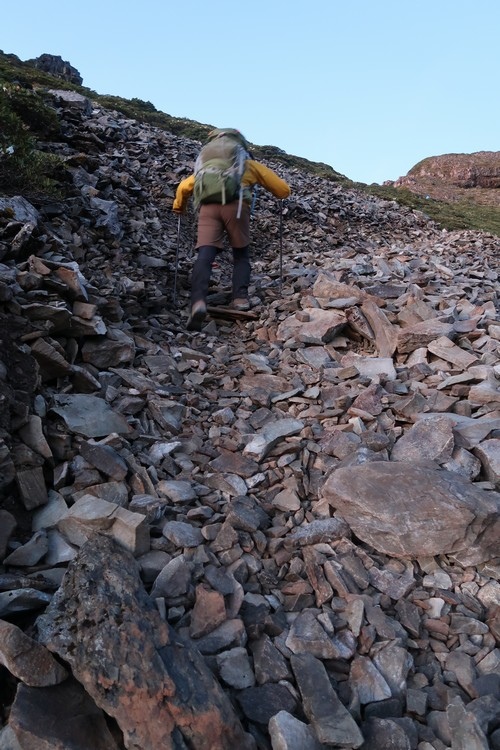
(368, 682)
(394, 663)
(59, 551)
(464, 669)
(384, 733)
(229, 635)
(269, 436)
(22, 600)
(182, 534)
(89, 415)
(466, 734)
(319, 530)
(7, 526)
(235, 668)
(55, 716)
(269, 664)
(115, 349)
(260, 704)
(105, 458)
(175, 578)
(178, 491)
(318, 327)
(430, 439)
(288, 733)
(48, 516)
(308, 636)
(331, 721)
(31, 553)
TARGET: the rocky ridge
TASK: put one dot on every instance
(469, 178)
(281, 531)
(57, 67)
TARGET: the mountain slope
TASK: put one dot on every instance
(472, 209)
(307, 496)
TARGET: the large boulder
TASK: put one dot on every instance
(132, 663)
(415, 510)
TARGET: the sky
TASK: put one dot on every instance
(370, 87)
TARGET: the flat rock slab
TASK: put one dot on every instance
(312, 326)
(230, 313)
(429, 439)
(90, 514)
(27, 659)
(58, 717)
(89, 415)
(332, 722)
(415, 510)
(421, 334)
(270, 435)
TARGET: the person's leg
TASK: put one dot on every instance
(209, 242)
(238, 230)
(241, 277)
(200, 280)
(202, 271)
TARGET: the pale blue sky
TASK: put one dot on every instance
(370, 87)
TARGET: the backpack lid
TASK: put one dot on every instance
(229, 132)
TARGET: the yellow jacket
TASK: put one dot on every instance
(254, 174)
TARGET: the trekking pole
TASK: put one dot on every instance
(281, 247)
(177, 258)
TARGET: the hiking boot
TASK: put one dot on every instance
(198, 312)
(241, 304)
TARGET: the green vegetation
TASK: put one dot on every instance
(459, 215)
(24, 115)
(145, 112)
(317, 168)
(31, 110)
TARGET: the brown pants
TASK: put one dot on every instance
(216, 221)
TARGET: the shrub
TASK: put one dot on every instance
(14, 136)
(142, 105)
(23, 113)
(30, 107)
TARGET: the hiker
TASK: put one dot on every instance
(221, 186)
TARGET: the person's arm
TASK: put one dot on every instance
(257, 173)
(183, 194)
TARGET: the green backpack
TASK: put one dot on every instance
(219, 168)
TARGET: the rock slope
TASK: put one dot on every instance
(282, 531)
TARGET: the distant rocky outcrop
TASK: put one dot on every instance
(57, 67)
(449, 176)
(481, 169)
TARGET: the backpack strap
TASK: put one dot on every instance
(241, 169)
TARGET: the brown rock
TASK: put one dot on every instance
(101, 617)
(28, 660)
(208, 613)
(421, 334)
